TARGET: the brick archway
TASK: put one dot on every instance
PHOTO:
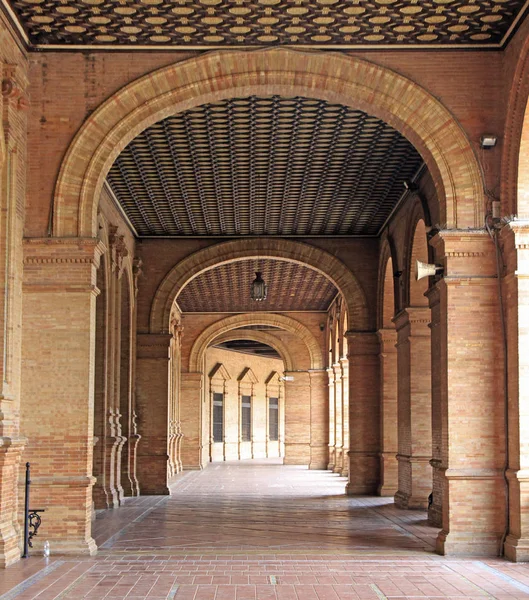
(227, 324)
(213, 256)
(264, 338)
(515, 161)
(347, 80)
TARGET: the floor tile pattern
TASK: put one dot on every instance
(257, 530)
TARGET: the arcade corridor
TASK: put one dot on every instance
(258, 530)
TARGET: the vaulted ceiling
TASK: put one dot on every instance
(264, 166)
(291, 287)
(202, 24)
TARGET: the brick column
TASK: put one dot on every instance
(344, 363)
(297, 419)
(152, 408)
(319, 424)
(338, 418)
(364, 412)
(414, 407)
(57, 398)
(388, 412)
(191, 400)
(435, 510)
(13, 132)
(11, 448)
(471, 396)
(332, 447)
(515, 240)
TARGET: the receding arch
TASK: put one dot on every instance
(213, 256)
(219, 75)
(419, 251)
(515, 157)
(388, 283)
(264, 338)
(275, 320)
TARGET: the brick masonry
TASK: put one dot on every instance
(75, 368)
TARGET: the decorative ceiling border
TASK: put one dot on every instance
(19, 29)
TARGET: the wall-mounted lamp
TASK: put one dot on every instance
(427, 270)
(488, 141)
(287, 378)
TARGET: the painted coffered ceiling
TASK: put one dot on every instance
(207, 24)
(226, 288)
(263, 166)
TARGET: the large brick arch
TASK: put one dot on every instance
(218, 75)
(387, 298)
(263, 337)
(275, 320)
(227, 252)
(515, 158)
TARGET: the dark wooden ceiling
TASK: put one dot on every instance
(227, 288)
(249, 347)
(263, 166)
(236, 23)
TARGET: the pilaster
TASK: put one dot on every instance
(191, 400)
(332, 427)
(297, 417)
(319, 425)
(338, 418)
(344, 363)
(58, 345)
(414, 407)
(468, 386)
(515, 242)
(388, 412)
(152, 399)
(364, 412)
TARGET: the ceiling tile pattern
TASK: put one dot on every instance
(264, 166)
(229, 23)
(227, 288)
(249, 347)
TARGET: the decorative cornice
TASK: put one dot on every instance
(464, 254)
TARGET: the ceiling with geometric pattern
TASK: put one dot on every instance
(203, 24)
(227, 288)
(249, 347)
(264, 166)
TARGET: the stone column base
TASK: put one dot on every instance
(152, 469)
(363, 473)
(389, 474)
(338, 465)
(297, 454)
(472, 543)
(516, 549)
(69, 547)
(10, 454)
(417, 475)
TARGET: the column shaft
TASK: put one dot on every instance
(152, 406)
(364, 413)
(414, 408)
(388, 412)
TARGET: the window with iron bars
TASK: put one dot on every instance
(218, 417)
(273, 419)
(246, 418)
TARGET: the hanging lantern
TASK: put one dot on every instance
(259, 288)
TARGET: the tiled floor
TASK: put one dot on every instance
(257, 530)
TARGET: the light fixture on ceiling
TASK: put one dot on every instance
(259, 289)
